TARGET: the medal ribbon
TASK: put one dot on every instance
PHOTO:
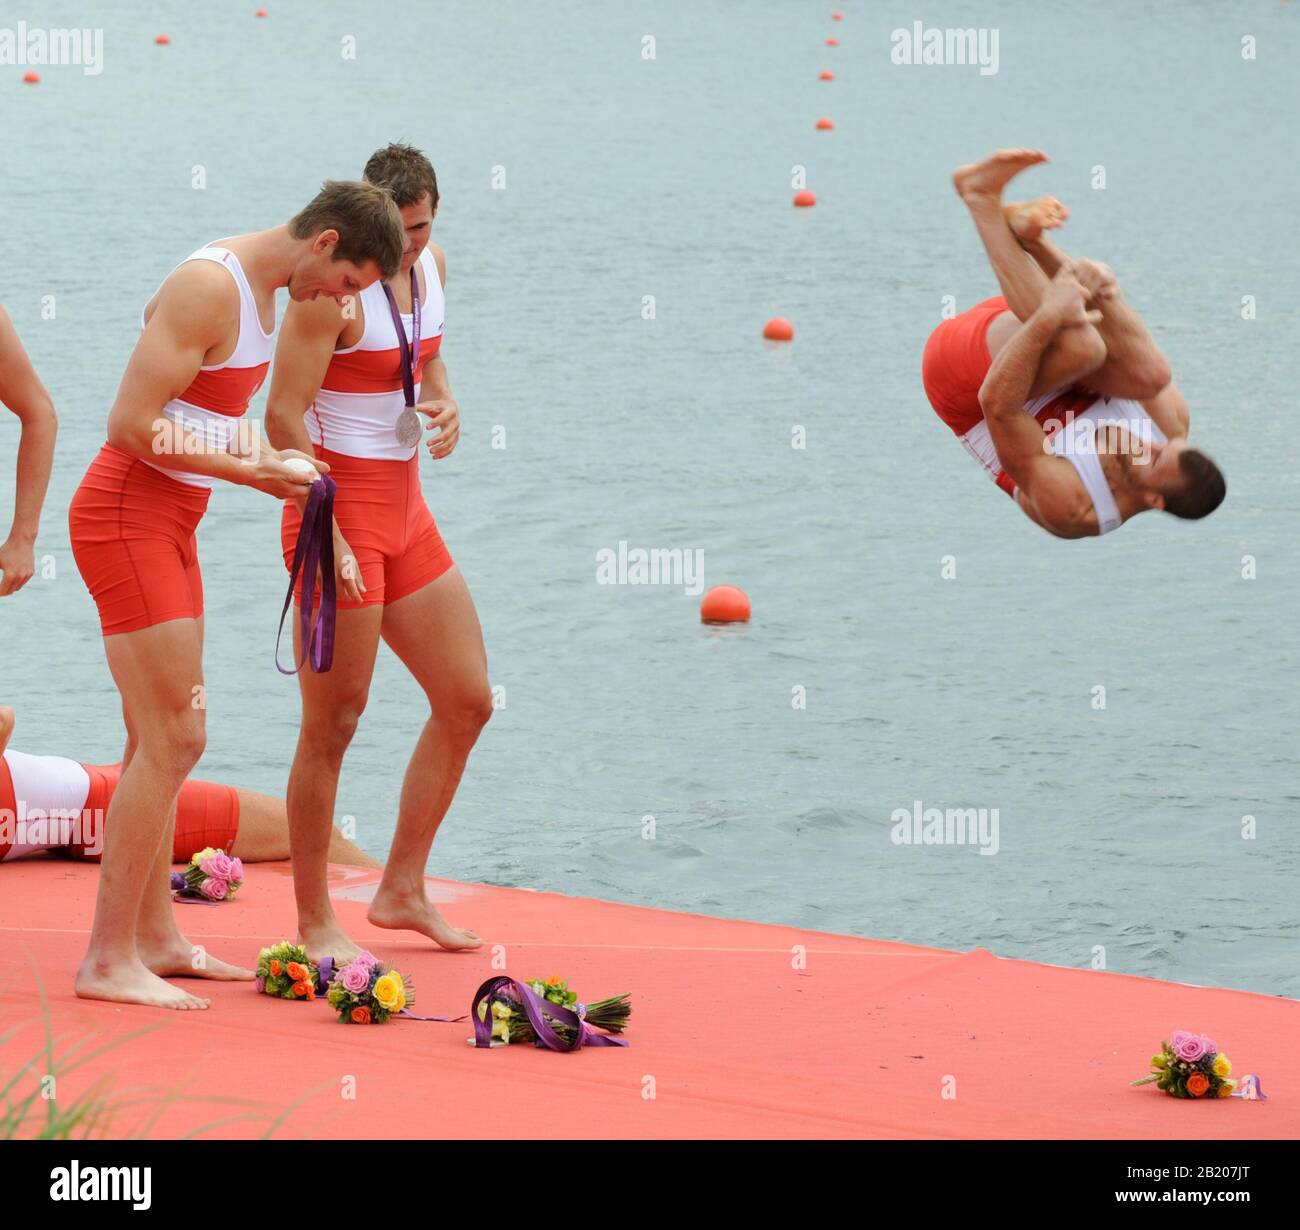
(410, 351)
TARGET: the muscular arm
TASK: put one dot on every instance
(1168, 409)
(196, 311)
(23, 393)
(1044, 479)
(435, 389)
(308, 335)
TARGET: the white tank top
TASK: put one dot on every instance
(47, 791)
(361, 397)
(219, 395)
(1077, 443)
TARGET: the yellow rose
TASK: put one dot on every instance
(1227, 1089)
(390, 994)
(1222, 1065)
(500, 1011)
(501, 1030)
(208, 852)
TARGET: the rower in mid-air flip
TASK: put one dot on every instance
(1056, 387)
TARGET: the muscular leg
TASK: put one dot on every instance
(435, 631)
(154, 669)
(1134, 367)
(332, 704)
(1077, 350)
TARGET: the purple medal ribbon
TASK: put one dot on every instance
(537, 1010)
(409, 351)
(314, 549)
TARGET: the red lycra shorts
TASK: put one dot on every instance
(132, 532)
(381, 512)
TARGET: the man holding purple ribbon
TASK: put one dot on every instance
(350, 384)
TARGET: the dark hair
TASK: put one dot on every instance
(1202, 489)
(369, 226)
(405, 172)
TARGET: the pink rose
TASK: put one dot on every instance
(368, 959)
(356, 977)
(236, 871)
(214, 890)
(1192, 1048)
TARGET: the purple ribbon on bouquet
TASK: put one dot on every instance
(1257, 1093)
(537, 1010)
(314, 549)
(325, 975)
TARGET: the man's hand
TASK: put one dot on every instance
(351, 585)
(18, 563)
(1098, 280)
(269, 473)
(1063, 303)
(444, 417)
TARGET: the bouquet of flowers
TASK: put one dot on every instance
(367, 992)
(510, 1021)
(1191, 1066)
(211, 876)
(285, 971)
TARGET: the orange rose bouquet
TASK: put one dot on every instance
(285, 971)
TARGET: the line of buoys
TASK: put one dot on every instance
(827, 75)
(824, 124)
(725, 604)
(31, 78)
(778, 329)
(804, 199)
(162, 40)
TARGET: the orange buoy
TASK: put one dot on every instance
(824, 123)
(837, 16)
(31, 78)
(804, 199)
(778, 329)
(832, 42)
(827, 75)
(724, 604)
(260, 13)
(162, 39)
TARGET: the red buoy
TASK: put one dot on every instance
(778, 329)
(827, 75)
(260, 13)
(837, 16)
(31, 78)
(725, 604)
(162, 39)
(824, 123)
(832, 42)
(804, 199)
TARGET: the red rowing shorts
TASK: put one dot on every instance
(955, 362)
(132, 532)
(381, 512)
(207, 813)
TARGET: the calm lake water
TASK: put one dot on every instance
(626, 177)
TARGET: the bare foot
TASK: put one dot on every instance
(395, 912)
(180, 959)
(328, 940)
(132, 983)
(983, 181)
(1029, 219)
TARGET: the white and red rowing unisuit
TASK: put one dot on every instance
(361, 396)
(218, 396)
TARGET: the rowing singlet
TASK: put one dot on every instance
(361, 398)
(219, 395)
(47, 794)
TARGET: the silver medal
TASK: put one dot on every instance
(409, 430)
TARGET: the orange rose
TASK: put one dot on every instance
(360, 1016)
(296, 972)
(554, 980)
(1197, 1084)
(276, 968)
(303, 990)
